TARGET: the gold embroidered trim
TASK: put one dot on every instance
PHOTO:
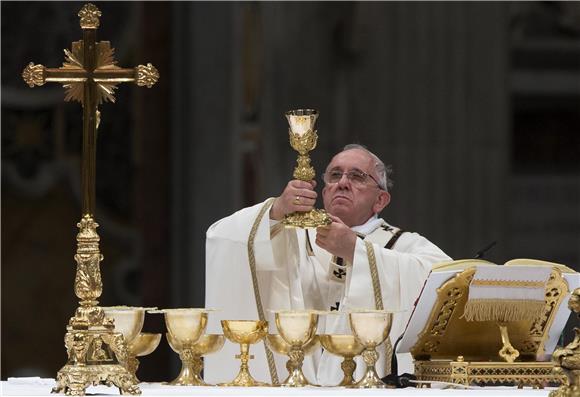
(378, 299)
(503, 309)
(252, 262)
(509, 283)
(374, 276)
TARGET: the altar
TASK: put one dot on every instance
(42, 387)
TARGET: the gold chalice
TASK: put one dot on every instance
(191, 358)
(246, 333)
(129, 322)
(303, 139)
(185, 327)
(346, 346)
(279, 345)
(297, 328)
(371, 328)
(142, 345)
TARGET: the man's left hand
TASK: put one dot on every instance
(337, 238)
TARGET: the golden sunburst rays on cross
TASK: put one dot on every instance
(106, 75)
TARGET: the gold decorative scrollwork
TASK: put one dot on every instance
(446, 311)
(536, 374)
(88, 284)
(303, 144)
(89, 15)
(147, 75)
(33, 75)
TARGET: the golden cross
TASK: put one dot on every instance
(90, 76)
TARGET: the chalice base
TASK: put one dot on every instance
(371, 380)
(296, 379)
(244, 379)
(188, 377)
(73, 379)
(305, 220)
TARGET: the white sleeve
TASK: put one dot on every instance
(229, 236)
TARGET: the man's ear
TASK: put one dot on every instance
(383, 199)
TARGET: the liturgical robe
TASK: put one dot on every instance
(292, 272)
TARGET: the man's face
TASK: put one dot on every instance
(354, 205)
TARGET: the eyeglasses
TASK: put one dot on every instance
(356, 177)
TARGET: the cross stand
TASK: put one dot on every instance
(97, 354)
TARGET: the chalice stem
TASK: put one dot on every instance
(370, 378)
(244, 356)
(348, 366)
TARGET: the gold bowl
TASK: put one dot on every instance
(279, 345)
(144, 344)
(347, 347)
(185, 325)
(128, 320)
(245, 331)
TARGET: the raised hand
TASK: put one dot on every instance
(297, 196)
(337, 238)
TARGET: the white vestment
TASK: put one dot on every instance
(294, 273)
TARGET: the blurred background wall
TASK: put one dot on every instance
(476, 106)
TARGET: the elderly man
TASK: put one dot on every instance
(255, 266)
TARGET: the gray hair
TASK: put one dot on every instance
(383, 171)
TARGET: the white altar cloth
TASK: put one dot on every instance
(42, 387)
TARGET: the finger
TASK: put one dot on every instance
(320, 242)
(322, 231)
(302, 200)
(298, 184)
(311, 194)
(335, 219)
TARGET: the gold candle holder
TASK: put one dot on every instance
(371, 328)
(297, 328)
(246, 333)
(191, 358)
(303, 139)
(347, 347)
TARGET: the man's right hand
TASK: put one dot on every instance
(297, 196)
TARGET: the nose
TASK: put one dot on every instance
(343, 181)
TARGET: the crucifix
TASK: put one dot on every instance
(90, 76)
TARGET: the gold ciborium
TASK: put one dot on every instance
(303, 139)
(346, 346)
(129, 322)
(276, 343)
(246, 333)
(371, 328)
(145, 343)
(297, 328)
(191, 358)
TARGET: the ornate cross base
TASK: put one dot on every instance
(94, 358)
(73, 380)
